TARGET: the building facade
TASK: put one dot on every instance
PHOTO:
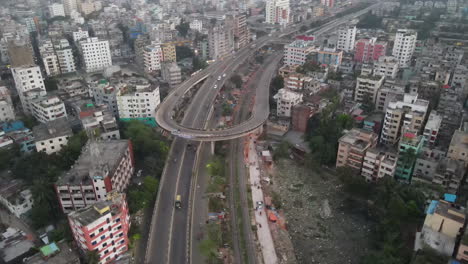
(353, 147)
(277, 12)
(369, 50)
(346, 38)
(96, 54)
(403, 48)
(285, 100)
(7, 110)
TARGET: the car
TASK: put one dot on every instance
(259, 204)
(215, 86)
(219, 78)
(224, 75)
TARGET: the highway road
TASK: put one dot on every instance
(169, 237)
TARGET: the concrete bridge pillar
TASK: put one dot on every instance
(212, 147)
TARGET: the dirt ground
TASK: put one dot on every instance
(324, 226)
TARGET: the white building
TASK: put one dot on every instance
(69, 6)
(367, 86)
(431, 130)
(171, 73)
(15, 197)
(105, 94)
(48, 108)
(152, 57)
(139, 101)
(403, 48)
(346, 38)
(96, 54)
(285, 100)
(277, 12)
(7, 111)
(378, 163)
(221, 41)
(296, 52)
(29, 84)
(80, 34)
(196, 25)
(65, 57)
(386, 66)
(56, 10)
(51, 137)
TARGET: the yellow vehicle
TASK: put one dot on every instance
(178, 202)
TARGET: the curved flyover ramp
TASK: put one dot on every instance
(259, 115)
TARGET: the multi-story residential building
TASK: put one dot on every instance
(105, 94)
(402, 116)
(285, 100)
(52, 136)
(410, 147)
(426, 164)
(64, 53)
(386, 66)
(392, 90)
(300, 116)
(102, 227)
(169, 52)
(367, 86)
(369, 50)
(171, 73)
(353, 147)
(138, 102)
(96, 54)
(48, 108)
(296, 81)
(196, 25)
(69, 6)
(238, 22)
(221, 41)
(378, 163)
(277, 12)
(458, 149)
(80, 35)
(15, 197)
(449, 174)
(296, 52)
(403, 48)
(346, 38)
(460, 77)
(152, 57)
(330, 57)
(102, 167)
(29, 84)
(56, 10)
(328, 3)
(99, 122)
(443, 224)
(7, 111)
(431, 130)
(451, 109)
(49, 58)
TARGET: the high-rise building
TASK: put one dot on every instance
(378, 163)
(238, 22)
(102, 227)
(29, 84)
(346, 38)
(285, 100)
(152, 57)
(221, 41)
(56, 10)
(48, 108)
(171, 73)
(328, 3)
(65, 56)
(138, 102)
(403, 116)
(102, 167)
(277, 12)
(7, 111)
(367, 86)
(410, 146)
(80, 34)
(96, 54)
(369, 50)
(296, 52)
(386, 66)
(105, 94)
(169, 52)
(69, 6)
(353, 147)
(403, 48)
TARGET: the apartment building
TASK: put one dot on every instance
(296, 52)
(52, 136)
(138, 102)
(277, 12)
(346, 38)
(386, 66)
(99, 122)
(169, 52)
(458, 149)
(238, 22)
(367, 86)
(102, 167)
(392, 90)
(328, 3)
(48, 108)
(152, 58)
(431, 130)
(29, 85)
(403, 48)
(102, 227)
(353, 147)
(443, 224)
(285, 100)
(15, 196)
(330, 57)
(65, 57)
(96, 54)
(196, 25)
(49, 58)
(221, 41)
(105, 94)
(7, 110)
(56, 10)
(410, 146)
(80, 35)
(369, 50)
(69, 6)
(171, 73)
(426, 164)
(449, 174)
(378, 163)
(402, 116)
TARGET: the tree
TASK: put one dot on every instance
(227, 109)
(183, 28)
(276, 84)
(281, 151)
(198, 63)
(183, 52)
(259, 59)
(236, 80)
(92, 257)
(50, 84)
(367, 103)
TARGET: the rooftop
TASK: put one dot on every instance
(56, 128)
(95, 157)
(459, 138)
(55, 253)
(91, 213)
(447, 211)
(358, 137)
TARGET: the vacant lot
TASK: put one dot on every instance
(324, 225)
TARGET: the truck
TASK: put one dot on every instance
(178, 202)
